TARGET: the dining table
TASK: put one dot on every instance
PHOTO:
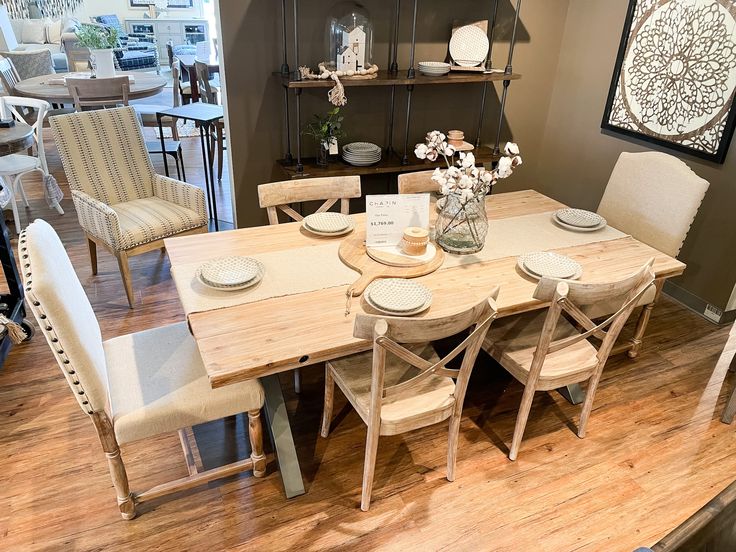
(187, 67)
(297, 315)
(52, 88)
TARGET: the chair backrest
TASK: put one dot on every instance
(389, 333)
(176, 81)
(570, 297)
(32, 63)
(8, 75)
(206, 92)
(654, 197)
(9, 107)
(63, 312)
(330, 189)
(99, 93)
(417, 183)
(170, 51)
(104, 154)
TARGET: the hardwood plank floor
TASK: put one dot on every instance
(654, 454)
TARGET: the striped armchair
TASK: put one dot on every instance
(122, 204)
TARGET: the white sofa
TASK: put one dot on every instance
(35, 34)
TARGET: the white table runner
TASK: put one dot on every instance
(306, 269)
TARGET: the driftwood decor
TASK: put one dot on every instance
(21, 9)
(675, 76)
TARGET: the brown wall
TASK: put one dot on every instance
(566, 55)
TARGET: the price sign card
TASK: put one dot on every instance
(388, 215)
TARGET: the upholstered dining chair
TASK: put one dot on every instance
(654, 197)
(544, 351)
(276, 196)
(134, 386)
(402, 384)
(122, 204)
(417, 183)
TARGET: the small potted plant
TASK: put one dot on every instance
(101, 42)
(326, 131)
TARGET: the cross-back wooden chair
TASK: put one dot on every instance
(182, 90)
(8, 75)
(417, 183)
(331, 189)
(276, 196)
(99, 93)
(544, 351)
(402, 384)
(208, 93)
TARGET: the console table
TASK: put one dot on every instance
(177, 30)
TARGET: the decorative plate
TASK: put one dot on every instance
(602, 225)
(234, 287)
(469, 46)
(398, 295)
(537, 277)
(229, 271)
(328, 223)
(418, 310)
(550, 265)
(579, 218)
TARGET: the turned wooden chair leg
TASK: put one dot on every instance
(125, 274)
(92, 255)
(521, 419)
(329, 400)
(255, 434)
(369, 467)
(126, 501)
(643, 322)
(452, 445)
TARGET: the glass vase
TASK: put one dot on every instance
(462, 226)
(323, 150)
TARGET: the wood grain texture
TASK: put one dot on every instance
(145, 85)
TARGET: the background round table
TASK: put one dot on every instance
(145, 85)
(15, 139)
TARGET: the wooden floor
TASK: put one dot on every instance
(654, 454)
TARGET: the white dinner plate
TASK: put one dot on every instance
(398, 295)
(550, 265)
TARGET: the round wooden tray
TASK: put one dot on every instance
(353, 253)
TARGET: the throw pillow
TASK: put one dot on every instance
(34, 31)
(53, 32)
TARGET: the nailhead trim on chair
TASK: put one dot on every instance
(49, 331)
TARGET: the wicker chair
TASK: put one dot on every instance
(122, 204)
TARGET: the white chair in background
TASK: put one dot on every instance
(15, 166)
(654, 197)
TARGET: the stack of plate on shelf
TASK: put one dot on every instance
(579, 220)
(469, 46)
(230, 273)
(328, 224)
(361, 154)
(398, 297)
(545, 264)
(434, 68)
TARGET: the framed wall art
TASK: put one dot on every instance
(675, 77)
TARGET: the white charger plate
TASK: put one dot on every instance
(328, 222)
(550, 265)
(537, 277)
(235, 287)
(394, 313)
(398, 295)
(602, 225)
(579, 218)
(230, 271)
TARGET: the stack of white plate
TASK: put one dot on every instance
(361, 154)
(230, 273)
(579, 220)
(398, 297)
(328, 224)
(545, 264)
(434, 68)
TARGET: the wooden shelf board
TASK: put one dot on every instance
(390, 164)
(384, 78)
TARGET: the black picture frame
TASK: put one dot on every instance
(718, 157)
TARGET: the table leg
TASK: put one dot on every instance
(163, 146)
(210, 171)
(283, 441)
(205, 158)
(573, 393)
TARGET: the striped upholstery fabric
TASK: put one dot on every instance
(118, 196)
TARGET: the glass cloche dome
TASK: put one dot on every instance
(350, 35)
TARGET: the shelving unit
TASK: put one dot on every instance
(393, 161)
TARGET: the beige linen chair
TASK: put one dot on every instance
(134, 386)
(544, 351)
(122, 204)
(277, 195)
(411, 387)
(417, 183)
(654, 197)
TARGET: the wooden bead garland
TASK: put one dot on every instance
(336, 95)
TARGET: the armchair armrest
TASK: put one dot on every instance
(97, 218)
(180, 193)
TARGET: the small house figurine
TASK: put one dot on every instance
(351, 57)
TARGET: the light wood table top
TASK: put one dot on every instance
(16, 138)
(144, 86)
(278, 334)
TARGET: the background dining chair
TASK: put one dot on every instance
(9, 77)
(277, 196)
(122, 204)
(402, 384)
(31, 63)
(15, 166)
(417, 183)
(208, 93)
(135, 386)
(544, 351)
(181, 89)
(654, 197)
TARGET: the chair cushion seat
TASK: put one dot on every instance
(433, 395)
(150, 219)
(158, 384)
(512, 341)
(187, 88)
(18, 163)
(603, 309)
